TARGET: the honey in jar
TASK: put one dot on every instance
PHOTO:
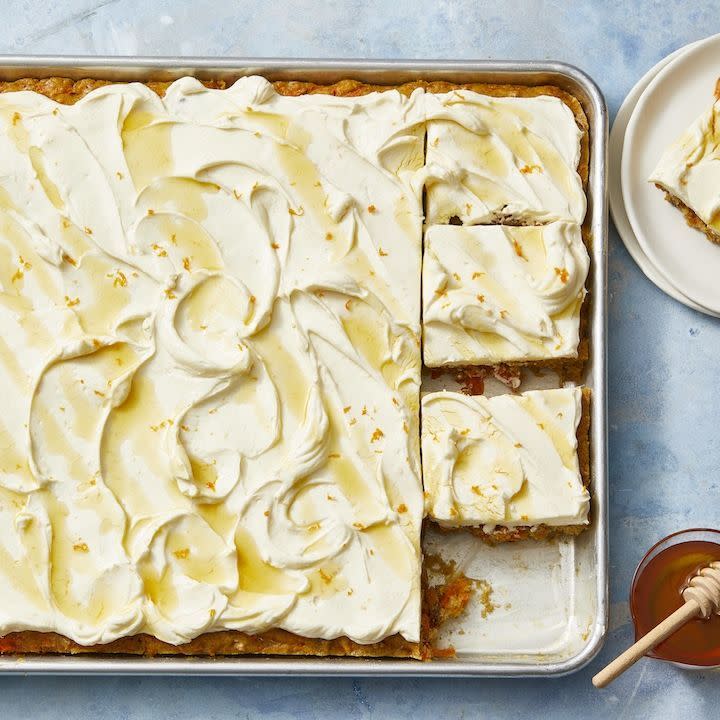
(657, 592)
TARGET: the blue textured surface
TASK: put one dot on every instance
(663, 356)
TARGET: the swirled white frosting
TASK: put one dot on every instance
(500, 293)
(494, 159)
(509, 460)
(690, 168)
(209, 362)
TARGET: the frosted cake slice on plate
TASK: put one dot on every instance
(689, 173)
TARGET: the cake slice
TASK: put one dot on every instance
(510, 466)
(689, 172)
(503, 159)
(494, 294)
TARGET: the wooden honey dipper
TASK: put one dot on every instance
(702, 598)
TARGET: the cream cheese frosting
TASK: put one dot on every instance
(690, 168)
(509, 460)
(496, 293)
(210, 362)
(502, 159)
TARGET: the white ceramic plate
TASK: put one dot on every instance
(678, 94)
(617, 204)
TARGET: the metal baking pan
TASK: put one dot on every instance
(585, 559)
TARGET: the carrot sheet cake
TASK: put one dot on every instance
(210, 366)
(210, 353)
(503, 159)
(494, 293)
(689, 171)
(510, 461)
